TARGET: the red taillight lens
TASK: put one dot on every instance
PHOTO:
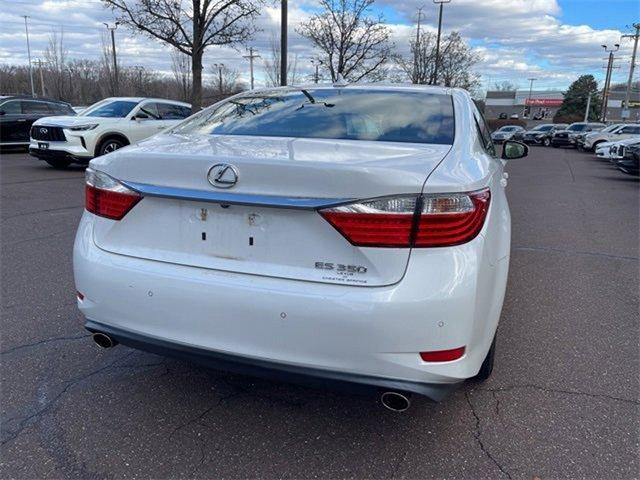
(429, 221)
(451, 219)
(385, 222)
(443, 355)
(106, 197)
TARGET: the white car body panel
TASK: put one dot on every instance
(278, 309)
(604, 150)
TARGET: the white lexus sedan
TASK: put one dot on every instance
(356, 235)
(103, 127)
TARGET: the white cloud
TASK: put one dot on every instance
(517, 38)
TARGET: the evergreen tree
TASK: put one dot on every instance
(575, 99)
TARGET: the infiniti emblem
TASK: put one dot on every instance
(43, 130)
(223, 175)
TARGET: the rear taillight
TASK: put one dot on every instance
(451, 219)
(437, 220)
(106, 197)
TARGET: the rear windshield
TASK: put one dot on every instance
(389, 116)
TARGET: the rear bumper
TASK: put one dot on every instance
(448, 298)
(562, 142)
(270, 370)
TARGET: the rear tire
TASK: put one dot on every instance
(58, 163)
(487, 366)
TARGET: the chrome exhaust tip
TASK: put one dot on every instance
(103, 340)
(395, 401)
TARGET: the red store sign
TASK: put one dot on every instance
(543, 102)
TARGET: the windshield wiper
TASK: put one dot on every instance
(312, 101)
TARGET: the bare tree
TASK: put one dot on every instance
(457, 60)
(456, 64)
(419, 66)
(353, 43)
(56, 57)
(191, 29)
(505, 86)
(225, 79)
(272, 65)
(181, 73)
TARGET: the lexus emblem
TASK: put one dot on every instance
(223, 175)
(43, 131)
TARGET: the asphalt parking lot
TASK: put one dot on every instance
(562, 402)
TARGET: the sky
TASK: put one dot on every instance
(553, 41)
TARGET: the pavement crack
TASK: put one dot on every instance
(38, 414)
(574, 252)
(33, 239)
(43, 342)
(478, 435)
(560, 391)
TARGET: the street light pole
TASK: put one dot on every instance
(26, 28)
(437, 65)
(586, 111)
(607, 81)
(219, 66)
(283, 43)
(530, 92)
(115, 61)
(626, 112)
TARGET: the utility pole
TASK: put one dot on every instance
(607, 81)
(41, 77)
(435, 70)
(219, 66)
(626, 112)
(530, 92)
(283, 42)
(316, 63)
(115, 61)
(417, 52)
(586, 111)
(26, 28)
(251, 56)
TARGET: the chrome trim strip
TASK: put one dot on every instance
(302, 203)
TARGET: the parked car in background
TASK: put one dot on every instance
(17, 114)
(103, 128)
(630, 162)
(614, 150)
(297, 232)
(540, 134)
(505, 133)
(611, 133)
(567, 138)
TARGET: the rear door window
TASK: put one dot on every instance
(152, 110)
(169, 111)
(30, 107)
(11, 108)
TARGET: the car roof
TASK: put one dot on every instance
(29, 97)
(144, 99)
(366, 86)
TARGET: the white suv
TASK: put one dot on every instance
(102, 128)
(612, 133)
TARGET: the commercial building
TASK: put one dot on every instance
(543, 105)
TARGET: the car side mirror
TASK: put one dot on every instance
(141, 116)
(512, 150)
